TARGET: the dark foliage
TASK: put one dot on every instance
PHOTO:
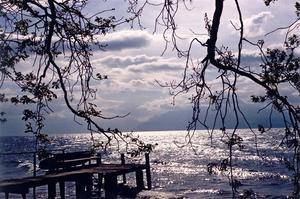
(279, 69)
(42, 34)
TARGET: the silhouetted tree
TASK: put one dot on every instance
(279, 68)
(43, 34)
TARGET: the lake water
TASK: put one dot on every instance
(177, 171)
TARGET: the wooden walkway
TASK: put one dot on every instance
(83, 178)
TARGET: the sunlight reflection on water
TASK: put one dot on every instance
(183, 171)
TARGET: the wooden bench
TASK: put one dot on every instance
(67, 161)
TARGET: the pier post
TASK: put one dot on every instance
(89, 183)
(34, 173)
(79, 186)
(84, 185)
(110, 185)
(100, 175)
(148, 171)
(62, 189)
(139, 179)
(123, 163)
(51, 190)
(23, 195)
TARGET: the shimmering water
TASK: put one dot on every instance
(178, 171)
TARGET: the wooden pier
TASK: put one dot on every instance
(82, 175)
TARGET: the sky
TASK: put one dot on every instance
(133, 62)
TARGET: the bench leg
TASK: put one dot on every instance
(6, 195)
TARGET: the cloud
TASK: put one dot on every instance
(145, 70)
(157, 105)
(254, 26)
(139, 83)
(250, 58)
(164, 103)
(154, 107)
(141, 63)
(123, 62)
(121, 40)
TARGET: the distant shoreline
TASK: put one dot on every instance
(78, 133)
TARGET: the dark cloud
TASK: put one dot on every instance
(251, 60)
(155, 67)
(122, 40)
(142, 64)
(123, 62)
(127, 43)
